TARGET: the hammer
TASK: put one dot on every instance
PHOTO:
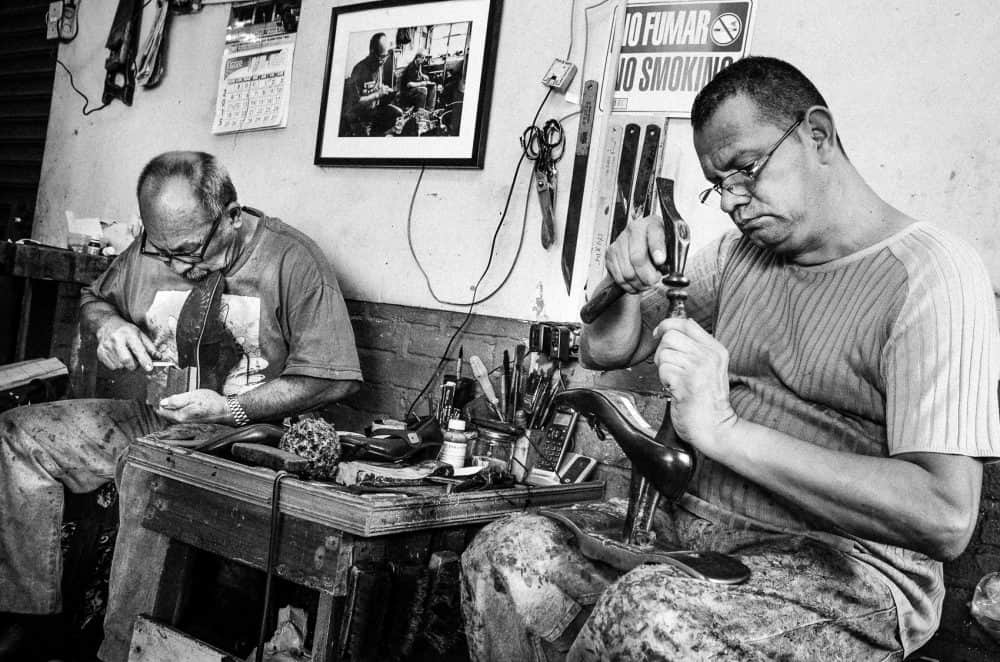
(678, 238)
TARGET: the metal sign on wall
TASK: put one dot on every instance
(670, 50)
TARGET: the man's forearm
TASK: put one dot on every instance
(293, 394)
(615, 339)
(927, 502)
(95, 314)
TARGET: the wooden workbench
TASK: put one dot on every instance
(203, 502)
(36, 262)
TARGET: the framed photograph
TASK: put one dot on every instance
(408, 83)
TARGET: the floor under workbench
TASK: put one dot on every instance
(224, 607)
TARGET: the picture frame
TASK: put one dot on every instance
(408, 83)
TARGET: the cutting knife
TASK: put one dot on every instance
(588, 104)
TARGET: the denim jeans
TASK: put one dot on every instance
(528, 594)
(72, 443)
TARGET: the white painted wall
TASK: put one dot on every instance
(912, 85)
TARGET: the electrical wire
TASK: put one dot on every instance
(496, 234)
(86, 100)
(586, 33)
(471, 304)
(72, 83)
(524, 221)
(468, 315)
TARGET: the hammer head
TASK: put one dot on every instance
(678, 236)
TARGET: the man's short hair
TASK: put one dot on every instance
(209, 178)
(373, 43)
(780, 91)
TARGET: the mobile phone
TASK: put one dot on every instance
(575, 468)
(556, 439)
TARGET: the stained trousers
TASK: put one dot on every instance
(44, 447)
(528, 594)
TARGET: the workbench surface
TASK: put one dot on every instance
(330, 505)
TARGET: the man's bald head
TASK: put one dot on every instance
(208, 180)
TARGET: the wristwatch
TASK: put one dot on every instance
(236, 410)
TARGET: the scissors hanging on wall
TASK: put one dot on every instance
(545, 147)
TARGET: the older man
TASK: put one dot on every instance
(838, 377)
(286, 346)
(368, 107)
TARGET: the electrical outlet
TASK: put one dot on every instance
(559, 75)
(52, 18)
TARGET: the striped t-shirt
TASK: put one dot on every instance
(892, 349)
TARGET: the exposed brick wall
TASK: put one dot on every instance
(960, 637)
(400, 346)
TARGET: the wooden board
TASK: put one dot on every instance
(332, 506)
(51, 263)
(155, 642)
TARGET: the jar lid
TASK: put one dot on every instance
(456, 424)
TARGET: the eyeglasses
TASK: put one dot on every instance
(187, 257)
(742, 181)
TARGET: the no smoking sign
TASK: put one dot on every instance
(726, 29)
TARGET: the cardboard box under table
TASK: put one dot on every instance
(326, 536)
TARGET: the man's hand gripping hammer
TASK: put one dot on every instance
(678, 238)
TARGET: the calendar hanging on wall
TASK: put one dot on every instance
(256, 75)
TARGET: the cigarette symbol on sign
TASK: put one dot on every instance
(726, 29)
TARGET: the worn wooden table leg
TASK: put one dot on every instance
(22, 326)
(139, 565)
(328, 615)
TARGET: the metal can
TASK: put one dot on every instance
(93, 246)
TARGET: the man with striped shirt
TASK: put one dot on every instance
(838, 377)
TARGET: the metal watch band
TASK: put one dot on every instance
(236, 410)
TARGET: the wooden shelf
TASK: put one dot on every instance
(51, 263)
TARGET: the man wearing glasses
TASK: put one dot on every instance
(838, 377)
(288, 347)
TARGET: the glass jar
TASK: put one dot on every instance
(494, 445)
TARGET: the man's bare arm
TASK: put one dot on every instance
(292, 394)
(927, 502)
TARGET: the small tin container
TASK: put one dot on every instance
(93, 246)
